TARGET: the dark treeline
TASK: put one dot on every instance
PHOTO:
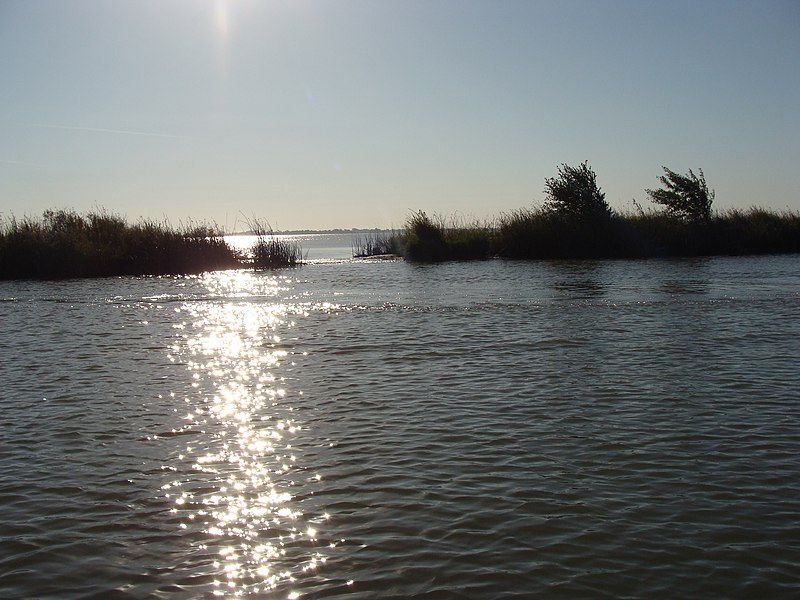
(577, 222)
(64, 244)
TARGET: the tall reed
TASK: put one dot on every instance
(270, 252)
(433, 238)
(539, 233)
(378, 243)
(63, 244)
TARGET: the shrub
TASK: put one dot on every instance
(685, 196)
(574, 194)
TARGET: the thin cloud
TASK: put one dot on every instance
(104, 130)
(20, 163)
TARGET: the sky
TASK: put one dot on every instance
(338, 114)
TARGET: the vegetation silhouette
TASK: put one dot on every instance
(270, 252)
(576, 222)
(376, 243)
(574, 194)
(434, 239)
(64, 244)
(684, 196)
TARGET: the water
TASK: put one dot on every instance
(315, 247)
(378, 429)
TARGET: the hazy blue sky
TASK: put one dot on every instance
(350, 113)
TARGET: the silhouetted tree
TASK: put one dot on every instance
(685, 196)
(574, 193)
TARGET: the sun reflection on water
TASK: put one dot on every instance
(237, 497)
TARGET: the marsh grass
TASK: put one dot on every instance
(435, 238)
(541, 233)
(755, 231)
(378, 243)
(576, 222)
(270, 252)
(63, 244)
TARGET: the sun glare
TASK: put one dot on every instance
(222, 17)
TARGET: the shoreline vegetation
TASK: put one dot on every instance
(269, 252)
(378, 243)
(538, 234)
(575, 222)
(64, 244)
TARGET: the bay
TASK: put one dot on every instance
(381, 429)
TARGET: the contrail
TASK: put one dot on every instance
(104, 130)
(19, 162)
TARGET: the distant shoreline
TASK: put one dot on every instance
(64, 244)
(316, 231)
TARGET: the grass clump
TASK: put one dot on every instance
(427, 239)
(270, 252)
(378, 243)
(63, 244)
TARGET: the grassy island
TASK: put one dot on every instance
(541, 234)
(63, 244)
(576, 222)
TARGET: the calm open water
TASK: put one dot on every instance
(379, 429)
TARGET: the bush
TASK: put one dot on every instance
(574, 194)
(684, 196)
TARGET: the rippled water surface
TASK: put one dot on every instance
(378, 429)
